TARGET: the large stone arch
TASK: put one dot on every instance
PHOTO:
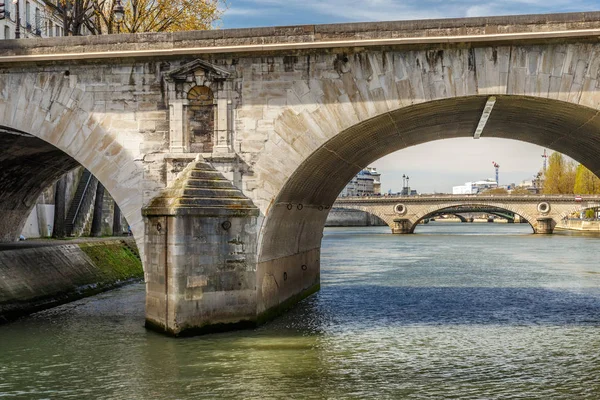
(326, 94)
(55, 107)
(291, 232)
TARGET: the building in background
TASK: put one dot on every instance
(376, 180)
(366, 183)
(38, 18)
(532, 186)
(475, 187)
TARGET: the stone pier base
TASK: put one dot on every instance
(402, 226)
(545, 225)
(200, 256)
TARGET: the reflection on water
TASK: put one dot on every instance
(455, 311)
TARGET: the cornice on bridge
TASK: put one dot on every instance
(497, 30)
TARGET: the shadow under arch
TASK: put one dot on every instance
(56, 108)
(28, 165)
(473, 208)
(292, 229)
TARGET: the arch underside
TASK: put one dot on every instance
(28, 165)
(564, 127)
(499, 212)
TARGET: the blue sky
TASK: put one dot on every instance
(253, 13)
(435, 166)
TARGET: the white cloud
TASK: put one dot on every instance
(236, 11)
(479, 11)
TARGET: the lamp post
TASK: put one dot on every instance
(403, 182)
(407, 186)
(119, 13)
(18, 19)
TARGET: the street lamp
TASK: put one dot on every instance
(119, 13)
(403, 182)
(407, 186)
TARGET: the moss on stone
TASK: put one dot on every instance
(115, 260)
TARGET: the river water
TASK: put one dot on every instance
(457, 311)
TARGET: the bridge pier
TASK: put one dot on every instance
(402, 226)
(200, 256)
(545, 225)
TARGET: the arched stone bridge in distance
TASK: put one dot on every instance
(224, 149)
(403, 213)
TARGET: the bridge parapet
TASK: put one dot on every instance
(502, 30)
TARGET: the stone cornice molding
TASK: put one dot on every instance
(213, 72)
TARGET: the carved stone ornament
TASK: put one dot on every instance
(189, 70)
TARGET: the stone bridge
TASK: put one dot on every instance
(225, 149)
(403, 214)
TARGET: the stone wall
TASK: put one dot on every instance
(40, 221)
(342, 217)
(35, 278)
(579, 225)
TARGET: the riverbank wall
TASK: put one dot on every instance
(44, 276)
(579, 225)
(345, 217)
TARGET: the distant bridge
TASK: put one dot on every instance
(403, 213)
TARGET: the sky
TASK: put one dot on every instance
(255, 13)
(435, 166)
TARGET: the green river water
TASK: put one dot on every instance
(455, 311)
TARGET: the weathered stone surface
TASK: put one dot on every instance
(37, 277)
(296, 116)
(201, 255)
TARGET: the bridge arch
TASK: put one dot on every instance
(64, 126)
(433, 210)
(459, 215)
(292, 235)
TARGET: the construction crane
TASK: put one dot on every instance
(497, 167)
(545, 157)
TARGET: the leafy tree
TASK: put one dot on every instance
(590, 213)
(586, 182)
(559, 177)
(495, 191)
(97, 17)
(519, 190)
(170, 15)
(74, 15)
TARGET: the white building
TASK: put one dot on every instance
(474, 187)
(366, 182)
(38, 18)
(376, 179)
